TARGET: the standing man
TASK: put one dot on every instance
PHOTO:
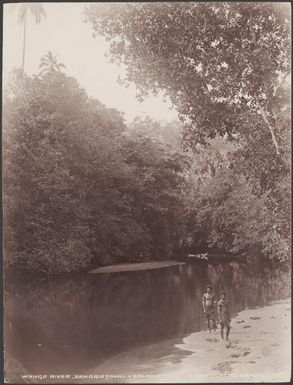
(224, 315)
(208, 303)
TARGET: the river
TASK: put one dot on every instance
(61, 324)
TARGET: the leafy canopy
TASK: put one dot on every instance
(80, 189)
(218, 62)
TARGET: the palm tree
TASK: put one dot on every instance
(38, 11)
(49, 63)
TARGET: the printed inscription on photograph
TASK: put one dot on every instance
(146, 192)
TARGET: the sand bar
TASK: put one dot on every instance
(135, 266)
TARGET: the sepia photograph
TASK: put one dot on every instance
(146, 192)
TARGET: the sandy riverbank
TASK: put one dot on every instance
(259, 351)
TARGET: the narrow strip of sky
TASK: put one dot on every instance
(64, 32)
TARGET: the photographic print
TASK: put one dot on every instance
(146, 151)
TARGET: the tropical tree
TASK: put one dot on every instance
(38, 12)
(168, 132)
(223, 65)
(49, 63)
(207, 160)
(80, 189)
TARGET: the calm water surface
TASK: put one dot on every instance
(65, 323)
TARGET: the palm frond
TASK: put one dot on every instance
(21, 13)
(49, 63)
(38, 11)
(43, 64)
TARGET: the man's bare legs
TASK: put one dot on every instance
(209, 324)
(214, 324)
(227, 331)
(222, 330)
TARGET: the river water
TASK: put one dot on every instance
(61, 324)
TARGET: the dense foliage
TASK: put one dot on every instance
(225, 67)
(217, 62)
(79, 189)
(82, 189)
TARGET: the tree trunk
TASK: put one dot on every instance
(23, 47)
(281, 83)
(264, 116)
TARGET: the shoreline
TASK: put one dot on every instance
(258, 350)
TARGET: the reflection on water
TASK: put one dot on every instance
(57, 324)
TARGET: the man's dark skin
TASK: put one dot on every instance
(224, 315)
(208, 303)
